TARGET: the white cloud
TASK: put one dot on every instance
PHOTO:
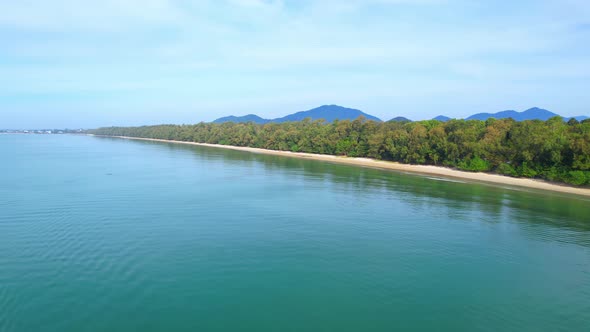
(257, 3)
(71, 14)
(256, 54)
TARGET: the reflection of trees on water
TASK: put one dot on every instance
(460, 201)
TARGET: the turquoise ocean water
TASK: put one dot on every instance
(100, 234)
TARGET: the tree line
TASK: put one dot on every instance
(553, 150)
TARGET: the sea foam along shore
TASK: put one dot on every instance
(389, 165)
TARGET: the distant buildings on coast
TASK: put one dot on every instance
(42, 131)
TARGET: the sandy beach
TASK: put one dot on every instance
(389, 165)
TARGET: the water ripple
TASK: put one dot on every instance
(184, 238)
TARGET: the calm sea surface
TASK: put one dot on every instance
(100, 234)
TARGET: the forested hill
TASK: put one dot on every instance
(327, 112)
(530, 114)
(553, 150)
(246, 118)
(335, 112)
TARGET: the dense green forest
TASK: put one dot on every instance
(553, 150)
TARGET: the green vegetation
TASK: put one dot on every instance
(553, 150)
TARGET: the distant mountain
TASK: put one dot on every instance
(400, 119)
(238, 119)
(326, 112)
(333, 112)
(534, 113)
(442, 118)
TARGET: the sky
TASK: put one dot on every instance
(85, 64)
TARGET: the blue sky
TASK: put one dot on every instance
(68, 63)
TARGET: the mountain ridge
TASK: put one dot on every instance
(245, 118)
(329, 113)
(441, 118)
(325, 112)
(400, 119)
(534, 113)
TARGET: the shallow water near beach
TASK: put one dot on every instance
(100, 234)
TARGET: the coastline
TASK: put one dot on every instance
(394, 166)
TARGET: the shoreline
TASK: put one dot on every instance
(394, 166)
